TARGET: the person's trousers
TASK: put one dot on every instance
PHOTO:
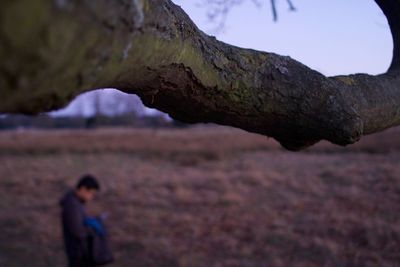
(76, 262)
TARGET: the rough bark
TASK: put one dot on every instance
(51, 51)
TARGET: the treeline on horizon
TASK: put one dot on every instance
(46, 121)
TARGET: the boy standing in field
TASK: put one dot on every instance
(76, 234)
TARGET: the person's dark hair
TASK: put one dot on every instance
(89, 182)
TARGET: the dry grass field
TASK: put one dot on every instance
(205, 197)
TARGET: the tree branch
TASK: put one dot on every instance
(391, 9)
(50, 53)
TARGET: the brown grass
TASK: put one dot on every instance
(205, 197)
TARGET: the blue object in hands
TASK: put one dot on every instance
(94, 224)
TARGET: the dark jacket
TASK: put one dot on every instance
(99, 250)
(74, 231)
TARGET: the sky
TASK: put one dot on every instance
(333, 37)
(112, 101)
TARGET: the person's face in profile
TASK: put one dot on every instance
(85, 194)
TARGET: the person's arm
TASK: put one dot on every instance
(74, 221)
